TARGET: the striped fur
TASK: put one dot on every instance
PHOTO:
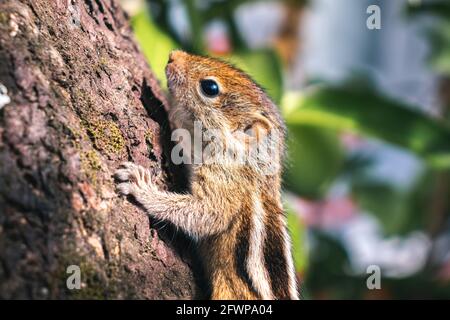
(260, 265)
(255, 261)
(234, 211)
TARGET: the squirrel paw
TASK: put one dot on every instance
(134, 179)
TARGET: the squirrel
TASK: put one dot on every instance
(234, 211)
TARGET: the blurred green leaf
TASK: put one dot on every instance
(155, 44)
(264, 66)
(440, 42)
(297, 232)
(440, 8)
(366, 112)
(195, 19)
(438, 32)
(315, 157)
(399, 211)
(328, 268)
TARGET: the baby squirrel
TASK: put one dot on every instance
(233, 211)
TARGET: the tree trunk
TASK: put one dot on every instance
(76, 100)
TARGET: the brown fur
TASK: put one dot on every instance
(225, 201)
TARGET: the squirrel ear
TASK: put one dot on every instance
(258, 129)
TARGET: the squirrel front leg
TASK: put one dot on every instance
(198, 218)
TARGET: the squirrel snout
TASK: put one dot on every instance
(175, 67)
(177, 56)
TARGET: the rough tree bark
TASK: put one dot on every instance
(82, 100)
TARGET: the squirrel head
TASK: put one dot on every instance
(220, 95)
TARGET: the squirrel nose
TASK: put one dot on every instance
(176, 55)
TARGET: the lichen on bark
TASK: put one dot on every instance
(82, 100)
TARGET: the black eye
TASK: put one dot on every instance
(210, 88)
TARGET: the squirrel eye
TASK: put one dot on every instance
(209, 87)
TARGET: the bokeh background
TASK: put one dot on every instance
(367, 176)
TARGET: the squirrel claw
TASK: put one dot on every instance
(133, 178)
